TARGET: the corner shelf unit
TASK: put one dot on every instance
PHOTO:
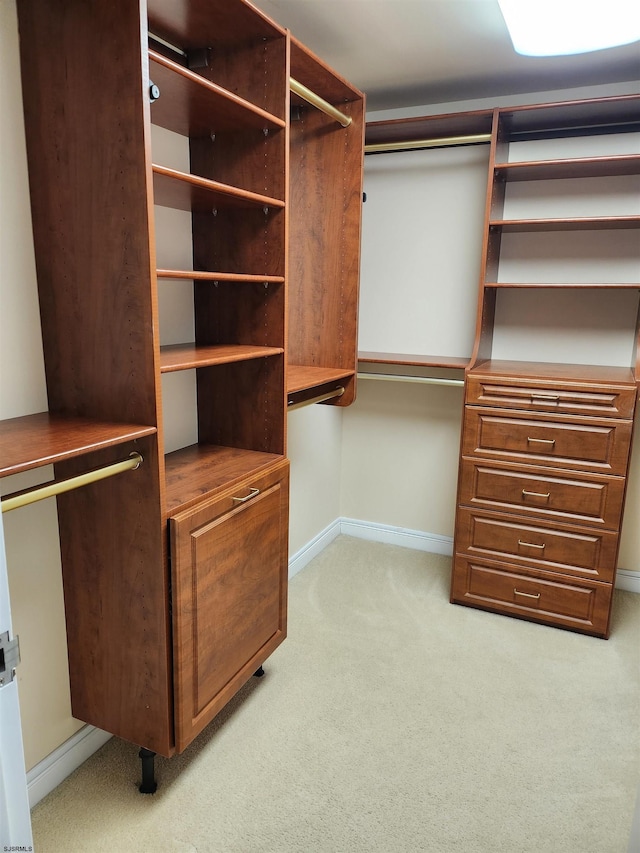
(546, 445)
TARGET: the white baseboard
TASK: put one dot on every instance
(48, 773)
(406, 538)
(52, 770)
(630, 581)
(313, 548)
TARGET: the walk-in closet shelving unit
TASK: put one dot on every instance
(546, 442)
(438, 131)
(325, 213)
(175, 573)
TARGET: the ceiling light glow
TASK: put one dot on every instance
(559, 27)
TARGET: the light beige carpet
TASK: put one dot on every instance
(389, 721)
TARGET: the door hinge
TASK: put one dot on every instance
(9, 658)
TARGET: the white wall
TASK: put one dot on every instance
(315, 452)
(33, 553)
(390, 458)
(400, 455)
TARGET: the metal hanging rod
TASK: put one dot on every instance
(329, 395)
(398, 377)
(19, 499)
(318, 102)
(442, 142)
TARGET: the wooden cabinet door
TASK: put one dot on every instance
(229, 570)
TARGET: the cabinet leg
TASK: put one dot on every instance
(148, 784)
(259, 672)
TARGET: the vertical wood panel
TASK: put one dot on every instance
(86, 145)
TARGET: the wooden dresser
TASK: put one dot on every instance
(541, 491)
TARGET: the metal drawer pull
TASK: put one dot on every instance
(252, 494)
(526, 594)
(544, 495)
(549, 398)
(542, 440)
(530, 544)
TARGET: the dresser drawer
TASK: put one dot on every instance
(575, 498)
(572, 551)
(580, 606)
(589, 444)
(578, 398)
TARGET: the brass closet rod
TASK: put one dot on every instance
(442, 142)
(401, 377)
(329, 395)
(56, 487)
(318, 102)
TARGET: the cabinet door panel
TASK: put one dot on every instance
(230, 581)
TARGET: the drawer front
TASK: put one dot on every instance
(539, 396)
(574, 498)
(573, 551)
(588, 444)
(580, 606)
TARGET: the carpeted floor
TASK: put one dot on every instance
(388, 721)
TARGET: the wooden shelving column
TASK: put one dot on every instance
(221, 81)
(326, 162)
(545, 446)
(175, 575)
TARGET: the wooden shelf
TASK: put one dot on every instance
(192, 106)
(200, 470)
(301, 378)
(581, 167)
(629, 285)
(43, 439)
(391, 358)
(429, 127)
(586, 223)
(205, 23)
(182, 191)
(188, 356)
(559, 371)
(571, 118)
(199, 275)
(315, 74)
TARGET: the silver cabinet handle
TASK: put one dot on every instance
(547, 398)
(252, 494)
(542, 440)
(530, 544)
(526, 594)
